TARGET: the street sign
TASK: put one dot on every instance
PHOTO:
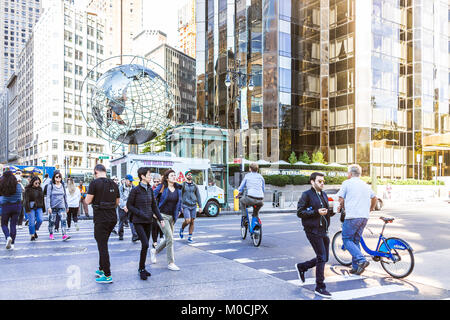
(103, 158)
(44, 161)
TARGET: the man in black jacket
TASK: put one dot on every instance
(142, 205)
(315, 213)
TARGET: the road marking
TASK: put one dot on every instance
(366, 292)
(332, 279)
(202, 244)
(222, 251)
(246, 260)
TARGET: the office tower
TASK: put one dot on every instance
(187, 28)
(16, 25)
(147, 40)
(362, 81)
(124, 20)
(180, 75)
(68, 44)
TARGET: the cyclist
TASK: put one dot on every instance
(255, 191)
(358, 199)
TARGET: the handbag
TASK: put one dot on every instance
(342, 218)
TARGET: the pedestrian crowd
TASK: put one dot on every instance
(151, 209)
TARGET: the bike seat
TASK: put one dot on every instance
(387, 220)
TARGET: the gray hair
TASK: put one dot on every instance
(156, 176)
(355, 170)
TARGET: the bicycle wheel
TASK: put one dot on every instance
(403, 263)
(244, 227)
(340, 253)
(257, 236)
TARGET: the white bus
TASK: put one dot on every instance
(213, 197)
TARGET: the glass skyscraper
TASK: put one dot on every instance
(363, 81)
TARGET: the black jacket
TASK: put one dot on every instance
(35, 195)
(141, 205)
(308, 210)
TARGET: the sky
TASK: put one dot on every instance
(163, 15)
(158, 14)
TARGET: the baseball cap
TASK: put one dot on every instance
(186, 173)
(129, 177)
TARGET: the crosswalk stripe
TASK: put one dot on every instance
(202, 244)
(332, 279)
(371, 291)
(246, 260)
(222, 251)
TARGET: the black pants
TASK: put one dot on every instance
(73, 214)
(123, 220)
(143, 231)
(321, 246)
(102, 231)
(155, 231)
(21, 216)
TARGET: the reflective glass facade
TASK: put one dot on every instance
(363, 81)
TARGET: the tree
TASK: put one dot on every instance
(305, 158)
(318, 157)
(158, 144)
(292, 158)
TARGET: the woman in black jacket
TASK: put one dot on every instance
(141, 206)
(33, 201)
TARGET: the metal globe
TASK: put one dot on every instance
(131, 103)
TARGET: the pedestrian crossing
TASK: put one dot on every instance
(269, 261)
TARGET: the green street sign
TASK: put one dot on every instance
(103, 157)
(44, 161)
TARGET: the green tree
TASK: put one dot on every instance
(158, 144)
(305, 158)
(318, 157)
(292, 158)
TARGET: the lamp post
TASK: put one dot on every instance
(243, 80)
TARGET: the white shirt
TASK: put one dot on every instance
(73, 200)
(255, 185)
(357, 195)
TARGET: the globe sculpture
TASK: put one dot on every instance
(130, 103)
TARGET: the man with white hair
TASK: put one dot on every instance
(358, 199)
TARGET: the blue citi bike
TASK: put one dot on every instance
(394, 254)
(254, 228)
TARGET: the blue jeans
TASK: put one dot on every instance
(10, 213)
(352, 230)
(35, 220)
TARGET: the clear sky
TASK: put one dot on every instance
(163, 15)
(158, 14)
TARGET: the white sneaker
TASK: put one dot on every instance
(20, 227)
(173, 267)
(8, 243)
(153, 255)
(12, 247)
(77, 227)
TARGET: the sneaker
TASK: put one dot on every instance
(66, 237)
(8, 243)
(181, 233)
(99, 273)
(20, 227)
(190, 240)
(134, 239)
(56, 230)
(361, 267)
(104, 279)
(120, 237)
(12, 247)
(33, 238)
(114, 231)
(172, 266)
(35, 235)
(353, 271)
(77, 227)
(323, 293)
(144, 274)
(300, 272)
(26, 223)
(52, 237)
(153, 255)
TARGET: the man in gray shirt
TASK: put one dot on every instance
(358, 199)
(255, 184)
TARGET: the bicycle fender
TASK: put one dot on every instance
(395, 243)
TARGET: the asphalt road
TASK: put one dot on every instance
(219, 265)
